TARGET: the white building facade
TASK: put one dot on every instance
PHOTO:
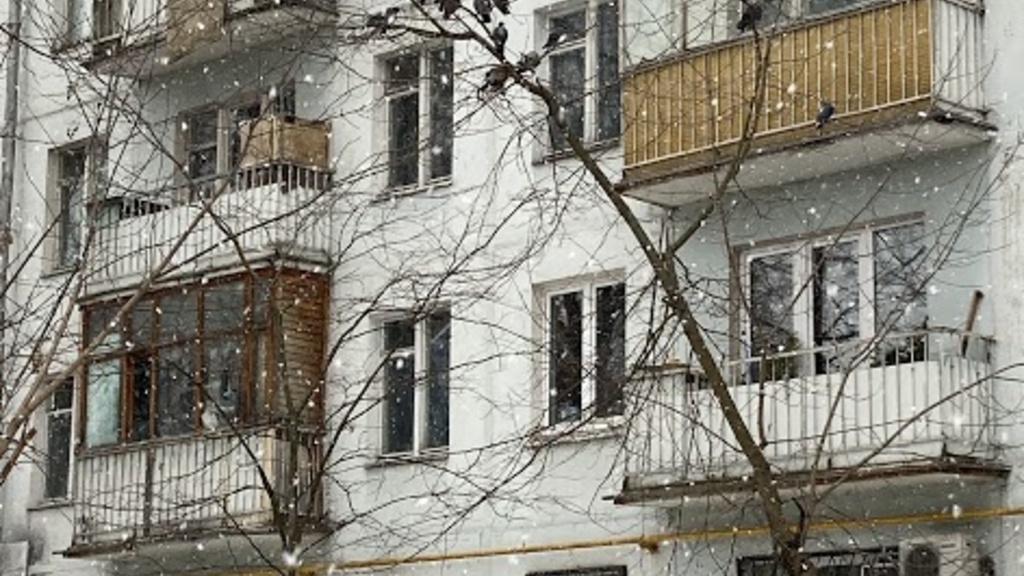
(308, 292)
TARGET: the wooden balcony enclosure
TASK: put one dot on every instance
(904, 77)
(140, 37)
(294, 141)
(925, 403)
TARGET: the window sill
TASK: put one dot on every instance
(50, 504)
(407, 458)
(591, 147)
(396, 192)
(573, 432)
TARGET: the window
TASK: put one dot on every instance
(58, 441)
(876, 562)
(777, 12)
(78, 172)
(586, 351)
(814, 7)
(199, 358)
(107, 17)
(78, 14)
(832, 291)
(417, 361)
(584, 72)
(211, 138)
(418, 96)
(596, 571)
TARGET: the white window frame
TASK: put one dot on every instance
(420, 353)
(588, 286)
(590, 46)
(423, 90)
(803, 282)
(94, 150)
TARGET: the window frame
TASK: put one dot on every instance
(802, 312)
(422, 403)
(423, 88)
(66, 387)
(69, 220)
(588, 287)
(593, 90)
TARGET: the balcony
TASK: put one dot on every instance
(139, 37)
(905, 78)
(913, 404)
(184, 487)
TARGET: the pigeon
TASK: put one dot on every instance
(383, 20)
(502, 6)
(448, 7)
(483, 10)
(495, 79)
(499, 35)
(554, 39)
(824, 114)
(528, 62)
(750, 17)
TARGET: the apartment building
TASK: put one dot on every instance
(316, 294)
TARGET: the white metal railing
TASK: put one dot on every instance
(280, 208)
(919, 394)
(183, 485)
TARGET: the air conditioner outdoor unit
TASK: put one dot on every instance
(947, 555)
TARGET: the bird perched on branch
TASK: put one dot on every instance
(825, 113)
(499, 35)
(495, 79)
(750, 16)
(381, 21)
(555, 38)
(528, 62)
(448, 7)
(483, 10)
(502, 6)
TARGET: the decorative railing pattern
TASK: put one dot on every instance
(187, 485)
(876, 64)
(919, 395)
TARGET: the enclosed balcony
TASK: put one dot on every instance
(139, 37)
(276, 203)
(908, 406)
(904, 77)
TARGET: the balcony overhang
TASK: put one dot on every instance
(904, 77)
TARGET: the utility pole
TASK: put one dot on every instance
(8, 149)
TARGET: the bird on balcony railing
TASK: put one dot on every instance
(825, 113)
(750, 16)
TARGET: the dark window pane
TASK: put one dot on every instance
(609, 105)
(222, 382)
(142, 379)
(573, 26)
(242, 116)
(58, 441)
(836, 300)
(175, 393)
(565, 374)
(103, 403)
(568, 71)
(100, 317)
(224, 307)
(404, 139)
(201, 153)
(771, 318)
(402, 73)
(107, 17)
(141, 334)
(399, 334)
(178, 313)
(441, 119)
(819, 6)
(63, 396)
(611, 349)
(399, 393)
(438, 366)
(72, 189)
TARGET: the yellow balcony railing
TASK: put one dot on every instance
(879, 64)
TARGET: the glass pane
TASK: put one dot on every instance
(201, 129)
(771, 318)
(402, 73)
(611, 349)
(239, 116)
(175, 399)
(441, 115)
(565, 374)
(141, 367)
(141, 333)
(222, 381)
(178, 314)
(62, 397)
(819, 6)
(399, 334)
(609, 105)
(438, 367)
(103, 403)
(99, 318)
(836, 300)
(58, 454)
(568, 70)
(399, 393)
(72, 188)
(79, 24)
(224, 307)
(404, 139)
(573, 25)
(901, 306)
